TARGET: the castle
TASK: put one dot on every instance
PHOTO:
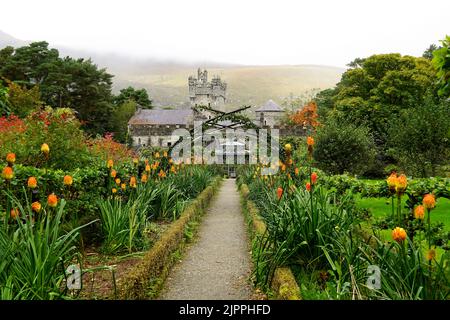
(202, 92)
(154, 127)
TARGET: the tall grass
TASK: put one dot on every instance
(34, 253)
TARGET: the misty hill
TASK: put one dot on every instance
(166, 81)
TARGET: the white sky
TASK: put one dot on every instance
(236, 31)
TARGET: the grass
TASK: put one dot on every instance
(380, 207)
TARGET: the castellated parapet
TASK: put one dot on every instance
(202, 92)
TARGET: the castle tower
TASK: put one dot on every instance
(204, 93)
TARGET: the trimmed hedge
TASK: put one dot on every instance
(155, 263)
(283, 282)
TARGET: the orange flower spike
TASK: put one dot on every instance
(399, 234)
(296, 171)
(429, 201)
(109, 163)
(419, 212)
(310, 141)
(113, 173)
(147, 167)
(133, 183)
(32, 182)
(308, 187)
(279, 193)
(8, 173)
(36, 206)
(144, 178)
(314, 177)
(52, 200)
(401, 184)
(392, 181)
(10, 158)
(68, 180)
(14, 213)
(431, 255)
(45, 149)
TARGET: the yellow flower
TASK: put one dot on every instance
(109, 164)
(32, 182)
(52, 200)
(165, 154)
(419, 212)
(114, 190)
(8, 173)
(401, 183)
(36, 206)
(287, 147)
(68, 180)
(431, 254)
(117, 181)
(157, 155)
(429, 201)
(123, 186)
(399, 234)
(135, 160)
(172, 169)
(45, 148)
(10, 158)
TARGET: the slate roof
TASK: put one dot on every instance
(269, 106)
(162, 117)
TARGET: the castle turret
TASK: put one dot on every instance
(202, 92)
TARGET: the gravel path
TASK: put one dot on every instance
(217, 266)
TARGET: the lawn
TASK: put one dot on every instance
(380, 207)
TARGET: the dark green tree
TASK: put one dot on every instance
(344, 147)
(120, 117)
(140, 96)
(428, 54)
(63, 82)
(419, 139)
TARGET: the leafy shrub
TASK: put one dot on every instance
(342, 147)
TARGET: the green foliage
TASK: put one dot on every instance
(375, 90)
(34, 252)
(63, 82)
(420, 138)
(122, 114)
(22, 100)
(441, 61)
(344, 147)
(139, 96)
(59, 129)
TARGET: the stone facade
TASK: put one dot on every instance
(202, 92)
(155, 127)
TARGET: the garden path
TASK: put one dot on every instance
(218, 265)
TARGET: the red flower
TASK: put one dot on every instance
(279, 193)
(314, 178)
(308, 186)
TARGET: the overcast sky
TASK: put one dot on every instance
(236, 31)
